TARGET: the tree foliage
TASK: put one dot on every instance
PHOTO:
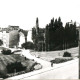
(28, 45)
(58, 36)
(67, 54)
(6, 51)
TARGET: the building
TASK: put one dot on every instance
(13, 27)
(13, 39)
(21, 39)
(22, 36)
(4, 36)
(29, 36)
(7, 34)
(13, 36)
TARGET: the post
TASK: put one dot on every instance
(45, 46)
(79, 52)
(48, 46)
(42, 46)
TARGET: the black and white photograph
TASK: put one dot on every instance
(39, 39)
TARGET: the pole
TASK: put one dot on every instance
(42, 46)
(79, 52)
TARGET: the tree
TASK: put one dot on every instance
(71, 35)
(60, 24)
(47, 37)
(28, 45)
(67, 54)
(57, 36)
(67, 35)
(6, 51)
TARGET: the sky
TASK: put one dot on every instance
(23, 13)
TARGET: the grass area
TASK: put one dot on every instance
(54, 54)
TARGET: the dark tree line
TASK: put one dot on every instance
(56, 36)
(59, 37)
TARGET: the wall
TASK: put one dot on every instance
(13, 38)
(4, 36)
(21, 39)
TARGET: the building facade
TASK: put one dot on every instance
(13, 36)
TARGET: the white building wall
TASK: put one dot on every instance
(5, 38)
(21, 39)
(29, 36)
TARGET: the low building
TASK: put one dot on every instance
(4, 36)
(13, 36)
